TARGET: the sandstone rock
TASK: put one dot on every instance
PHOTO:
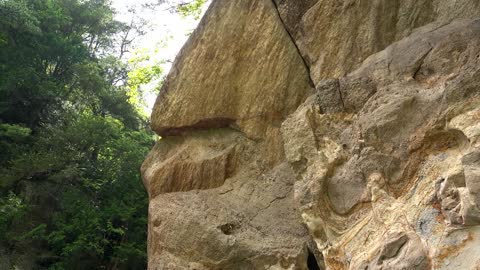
(469, 124)
(329, 96)
(336, 36)
(395, 146)
(248, 223)
(239, 68)
(378, 169)
(398, 250)
(200, 161)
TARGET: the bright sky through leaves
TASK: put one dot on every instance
(167, 29)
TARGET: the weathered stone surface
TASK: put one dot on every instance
(377, 170)
(239, 68)
(201, 161)
(336, 36)
(219, 112)
(398, 250)
(248, 223)
(407, 146)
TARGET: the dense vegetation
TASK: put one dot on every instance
(72, 137)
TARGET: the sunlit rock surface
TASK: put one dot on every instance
(320, 135)
(335, 36)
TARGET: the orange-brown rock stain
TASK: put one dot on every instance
(450, 251)
(335, 260)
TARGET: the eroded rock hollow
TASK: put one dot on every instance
(320, 134)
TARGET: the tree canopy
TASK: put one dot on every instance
(72, 137)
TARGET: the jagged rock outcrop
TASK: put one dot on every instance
(390, 158)
(377, 168)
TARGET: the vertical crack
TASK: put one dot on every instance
(312, 263)
(339, 87)
(421, 61)
(310, 81)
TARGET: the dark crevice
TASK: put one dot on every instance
(228, 228)
(339, 87)
(218, 122)
(307, 67)
(420, 63)
(312, 263)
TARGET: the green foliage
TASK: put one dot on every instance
(18, 15)
(104, 217)
(13, 139)
(71, 135)
(144, 71)
(14, 133)
(193, 8)
(12, 209)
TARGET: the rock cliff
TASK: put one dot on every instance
(320, 134)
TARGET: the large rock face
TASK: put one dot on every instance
(239, 68)
(375, 167)
(335, 36)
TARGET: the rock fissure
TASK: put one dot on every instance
(204, 124)
(294, 42)
(312, 263)
(421, 61)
